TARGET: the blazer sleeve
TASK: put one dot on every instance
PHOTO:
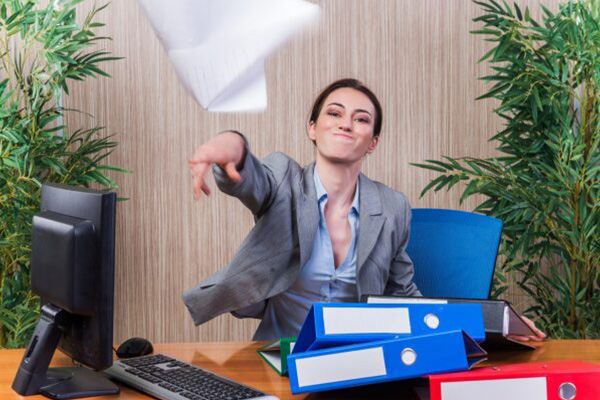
(400, 280)
(254, 311)
(259, 182)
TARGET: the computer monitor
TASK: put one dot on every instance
(72, 270)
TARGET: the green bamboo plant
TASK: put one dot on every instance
(545, 185)
(42, 46)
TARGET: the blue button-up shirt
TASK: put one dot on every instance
(318, 281)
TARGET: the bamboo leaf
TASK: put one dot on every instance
(48, 46)
(545, 184)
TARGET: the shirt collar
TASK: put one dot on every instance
(322, 193)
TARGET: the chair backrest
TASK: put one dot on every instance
(454, 252)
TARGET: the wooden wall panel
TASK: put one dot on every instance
(417, 55)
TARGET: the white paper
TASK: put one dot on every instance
(218, 47)
(340, 320)
(496, 389)
(340, 367)
(274, 358)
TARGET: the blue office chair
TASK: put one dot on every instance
(454, 252)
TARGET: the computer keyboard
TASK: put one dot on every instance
(169, 379)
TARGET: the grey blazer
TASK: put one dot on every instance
(281, 195)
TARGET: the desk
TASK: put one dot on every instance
(239, 361)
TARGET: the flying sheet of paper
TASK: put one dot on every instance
(218, 47)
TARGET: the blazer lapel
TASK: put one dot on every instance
(307, 213)
(371, 220)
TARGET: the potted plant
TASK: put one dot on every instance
(42, 46)
(545, 185)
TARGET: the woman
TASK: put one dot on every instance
(323, 233)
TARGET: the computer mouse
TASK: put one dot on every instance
(134, 347)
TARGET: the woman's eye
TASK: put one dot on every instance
(333, 113)
(363, 120)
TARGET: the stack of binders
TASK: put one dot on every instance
(345, 344)
(500, 319)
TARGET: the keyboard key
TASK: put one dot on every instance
(132, 371)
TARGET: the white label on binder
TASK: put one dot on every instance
(365, 320)
(404, 300)
(340, 367)
(496, 389)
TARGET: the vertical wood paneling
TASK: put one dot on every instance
(418, 56)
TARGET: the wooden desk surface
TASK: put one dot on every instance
(239, 361)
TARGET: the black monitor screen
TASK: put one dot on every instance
(87, 336)
(72, 270)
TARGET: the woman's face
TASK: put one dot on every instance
(343, 132)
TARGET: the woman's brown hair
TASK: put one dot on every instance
(353, 84)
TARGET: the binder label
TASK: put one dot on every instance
(340, 367)
(496, 389)
(404, 300)
(345, 320)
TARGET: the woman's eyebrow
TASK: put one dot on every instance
(361, 110)
(341, 105)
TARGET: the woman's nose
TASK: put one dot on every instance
(345, 124)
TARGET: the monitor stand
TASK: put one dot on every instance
(35, 377)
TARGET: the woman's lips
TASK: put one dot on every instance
(343, 135)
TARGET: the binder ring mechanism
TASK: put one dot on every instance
(567, 391)
(408, 356)
(432, 321)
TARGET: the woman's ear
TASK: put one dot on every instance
(311, 130)
(373, 144)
